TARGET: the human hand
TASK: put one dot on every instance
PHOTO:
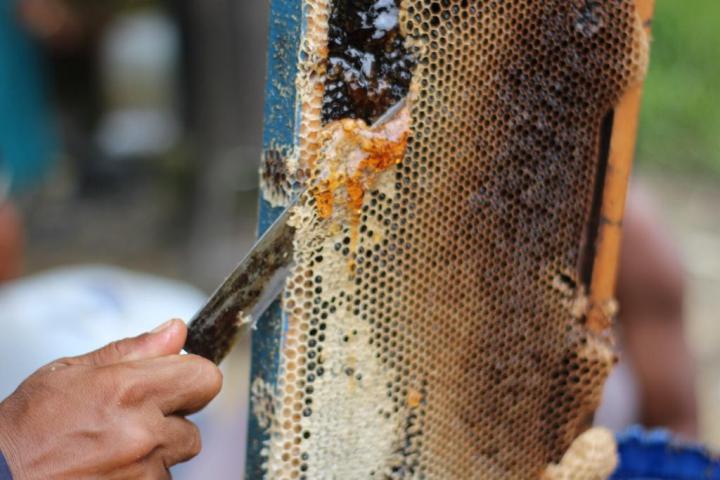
(52, 21)
(115, 413)
(11, 242)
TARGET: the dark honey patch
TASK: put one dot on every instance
(369, 67)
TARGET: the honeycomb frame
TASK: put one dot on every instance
(424, 330)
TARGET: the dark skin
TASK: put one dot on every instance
(11, 242)
(115, 413)
(66, 25)
(53, 22)
(651, 293)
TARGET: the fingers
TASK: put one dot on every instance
(167, 339)
(180, 441)
(150, 468)
(178, 384)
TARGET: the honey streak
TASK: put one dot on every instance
(354, 154)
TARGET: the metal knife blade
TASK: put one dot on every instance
(245, 294)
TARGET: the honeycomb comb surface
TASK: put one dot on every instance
(435, 314)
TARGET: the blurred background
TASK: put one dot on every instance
(132, 138)
(678, 161)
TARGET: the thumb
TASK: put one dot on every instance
(167, 339)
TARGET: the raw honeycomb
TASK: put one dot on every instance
(591, 457)
(436, 310)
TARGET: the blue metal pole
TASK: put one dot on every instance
(279, 134)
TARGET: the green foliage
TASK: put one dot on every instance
(680, 122)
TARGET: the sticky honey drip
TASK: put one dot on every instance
(355, 154)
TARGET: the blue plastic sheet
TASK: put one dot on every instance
(655, 455)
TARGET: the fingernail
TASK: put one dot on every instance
(162, 327)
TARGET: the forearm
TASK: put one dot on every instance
(651, 292)
(664, 364)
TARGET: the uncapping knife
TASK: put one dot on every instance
(245, 294)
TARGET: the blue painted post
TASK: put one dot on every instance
(280, 135)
